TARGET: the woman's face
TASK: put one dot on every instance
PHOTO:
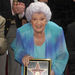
(38, 22)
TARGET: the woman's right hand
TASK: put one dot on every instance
(52, 72)
(26, 59)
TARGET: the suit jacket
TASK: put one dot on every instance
(70, 37)
(5, 8)
(61, 8)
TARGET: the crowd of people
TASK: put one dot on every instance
(41, 26)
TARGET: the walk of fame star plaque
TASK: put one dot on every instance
(38, 67)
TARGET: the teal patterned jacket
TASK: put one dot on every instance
(55, 45)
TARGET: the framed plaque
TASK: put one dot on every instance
(38, 67)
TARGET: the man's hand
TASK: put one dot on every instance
(18, 7)
(26, 59)
(24, 21)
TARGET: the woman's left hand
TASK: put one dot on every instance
(52, 72)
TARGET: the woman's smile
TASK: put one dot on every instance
(38, 22)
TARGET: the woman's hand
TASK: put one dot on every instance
(26, 59)
(52, 72)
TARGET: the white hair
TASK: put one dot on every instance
(36, 7)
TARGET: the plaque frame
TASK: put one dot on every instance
(42, 66)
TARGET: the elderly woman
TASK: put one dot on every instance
(41, 38)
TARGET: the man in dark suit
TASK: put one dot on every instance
(70, 39)
(19, 9)
(62, 12)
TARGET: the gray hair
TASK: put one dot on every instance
(36, 7)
